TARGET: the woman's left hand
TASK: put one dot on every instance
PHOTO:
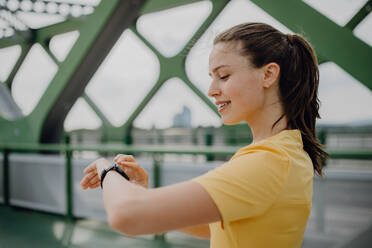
(92, 178)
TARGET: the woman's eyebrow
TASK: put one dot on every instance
(216, 68)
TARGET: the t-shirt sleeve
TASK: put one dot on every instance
(247, 185)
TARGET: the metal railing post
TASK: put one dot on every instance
(320, 206)
(209, 142)
(6, 175)
(69, 184)
(157, 183)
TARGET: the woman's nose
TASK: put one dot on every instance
(213, 91)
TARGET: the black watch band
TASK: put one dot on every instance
(116, 168)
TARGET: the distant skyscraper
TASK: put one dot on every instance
(183, 119)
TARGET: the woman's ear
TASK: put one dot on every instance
(271, 74)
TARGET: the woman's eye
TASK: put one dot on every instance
(224, 77)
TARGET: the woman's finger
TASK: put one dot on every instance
(124, 157)
(130, 169)
(87, 178)
(90, 168)
(93, 186)
(84, 183)
(129, 164)
(94, 180)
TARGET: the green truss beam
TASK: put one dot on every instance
(42, 34)
(46, 33)
(97, 36)
(348, 52)
(21, 38)
(45, 46)
(45, 8)
(98, 33)
(156, 5)
(359, 17)
(331, 41)
(25, 48)
(97, 110)
(175, 66)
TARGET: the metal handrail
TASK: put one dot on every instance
(121, 148)
(163, 149)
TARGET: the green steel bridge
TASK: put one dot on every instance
(40, 135)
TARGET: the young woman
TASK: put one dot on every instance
(262, 196)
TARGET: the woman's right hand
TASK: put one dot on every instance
(135, 172)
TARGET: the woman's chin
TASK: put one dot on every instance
(229, 122)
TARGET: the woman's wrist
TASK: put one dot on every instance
(101, 165)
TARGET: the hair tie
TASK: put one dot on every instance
(289, 38)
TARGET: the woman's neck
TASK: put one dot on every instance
(262, 126)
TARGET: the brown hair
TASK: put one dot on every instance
(298, 82)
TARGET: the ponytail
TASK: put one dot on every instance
(298, 82)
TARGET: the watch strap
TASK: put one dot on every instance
(120, 171)
(116, 168)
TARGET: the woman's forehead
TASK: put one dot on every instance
(225, 54)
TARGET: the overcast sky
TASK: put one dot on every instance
(131, 68)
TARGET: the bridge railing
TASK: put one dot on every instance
(155, 151)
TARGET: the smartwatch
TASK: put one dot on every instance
(116, 168)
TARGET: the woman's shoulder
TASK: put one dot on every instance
(277, 144)
(283, 152)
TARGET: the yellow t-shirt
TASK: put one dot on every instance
(263, 193)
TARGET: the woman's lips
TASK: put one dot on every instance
(222, 107)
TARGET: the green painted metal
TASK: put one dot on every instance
(12, 41)
(115, 148)
(69, 185)
(101, 115)
(30, 128)
(307, 19)
(28, 229)
(322, 136)
(156, 5)
(71, 223)
(23, 135)
(97, 36)
(24, 129)
(331, 41)
(157, 183)
(209, 142)
(20, 228)
(359, 17)
(143, 103)
(6, 184)
(157, 170)
(175, 66)
(25, 48)
(42, 34)
(131, 149)
(46, 48)
(33, 8)
(73, 24)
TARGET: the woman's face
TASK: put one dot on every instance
(236, 85)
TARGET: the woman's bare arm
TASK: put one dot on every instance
(133, 209)
(200, 231)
